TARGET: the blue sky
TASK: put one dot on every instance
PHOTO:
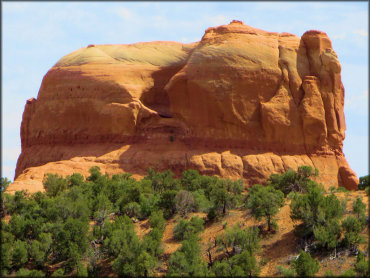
(35, 35)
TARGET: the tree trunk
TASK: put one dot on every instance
(268, 223)
(210, 257)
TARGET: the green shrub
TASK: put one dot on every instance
(292, 180)
(54, 184)
(286, 272)
(4, 183)
(132, 209)
(201, 202)
(236, 238)
(305, 265)
(196, 224)
(264, 201)
(291, 195)
(16, 203)
(103, 207)
(314, 209)
(75, 179)
(187, 260)
(81, 270)
(329, 273)
(191, 180)
(364, 182)
(348, 273)
(181, 228)
(185, 228)
(29, 273)
(152, 242)
(362, 267)
(212, 214)
(359, 207)
(19, 254)
(167, 203)
(352, 228)
(6, 256)
(58, 273)
(221, 269)
(37, 254)
(95, 174)
(328, 235)
(224, 194)
(148, 204)
(342, 189)
(157, 220)
(244, 264)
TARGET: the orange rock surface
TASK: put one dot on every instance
(241, 103)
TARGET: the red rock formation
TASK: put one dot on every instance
(241, 103)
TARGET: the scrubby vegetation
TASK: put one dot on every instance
(76, 223)
(83, 227)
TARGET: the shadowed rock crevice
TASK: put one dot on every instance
(156, 98)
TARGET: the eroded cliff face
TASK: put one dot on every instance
(241, 103)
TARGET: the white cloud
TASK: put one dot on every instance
(361, 32)
(217, 20)
(341, 36)
(124, 13)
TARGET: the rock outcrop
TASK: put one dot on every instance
(241, 103)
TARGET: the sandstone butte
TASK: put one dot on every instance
(241, 103)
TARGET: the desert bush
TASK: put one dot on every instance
(359, 208)
(157, 220)
(342, 189)
(264, 201)
(185, 202)
(186, 261)
(4, 183)
(362, 267)
(292, 180)
(54, 184)
(364, 182)
(23, 272)
(314, 209)
(285, 272)
(19, 254)
(201, 202)
(132, 209)
(305, 265)
(191, 180)
(185, 228)
(352, 228)
(348, 273)
(167, 203)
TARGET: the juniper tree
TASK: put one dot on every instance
(264, 202)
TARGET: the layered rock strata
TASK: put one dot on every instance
(241, 103)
